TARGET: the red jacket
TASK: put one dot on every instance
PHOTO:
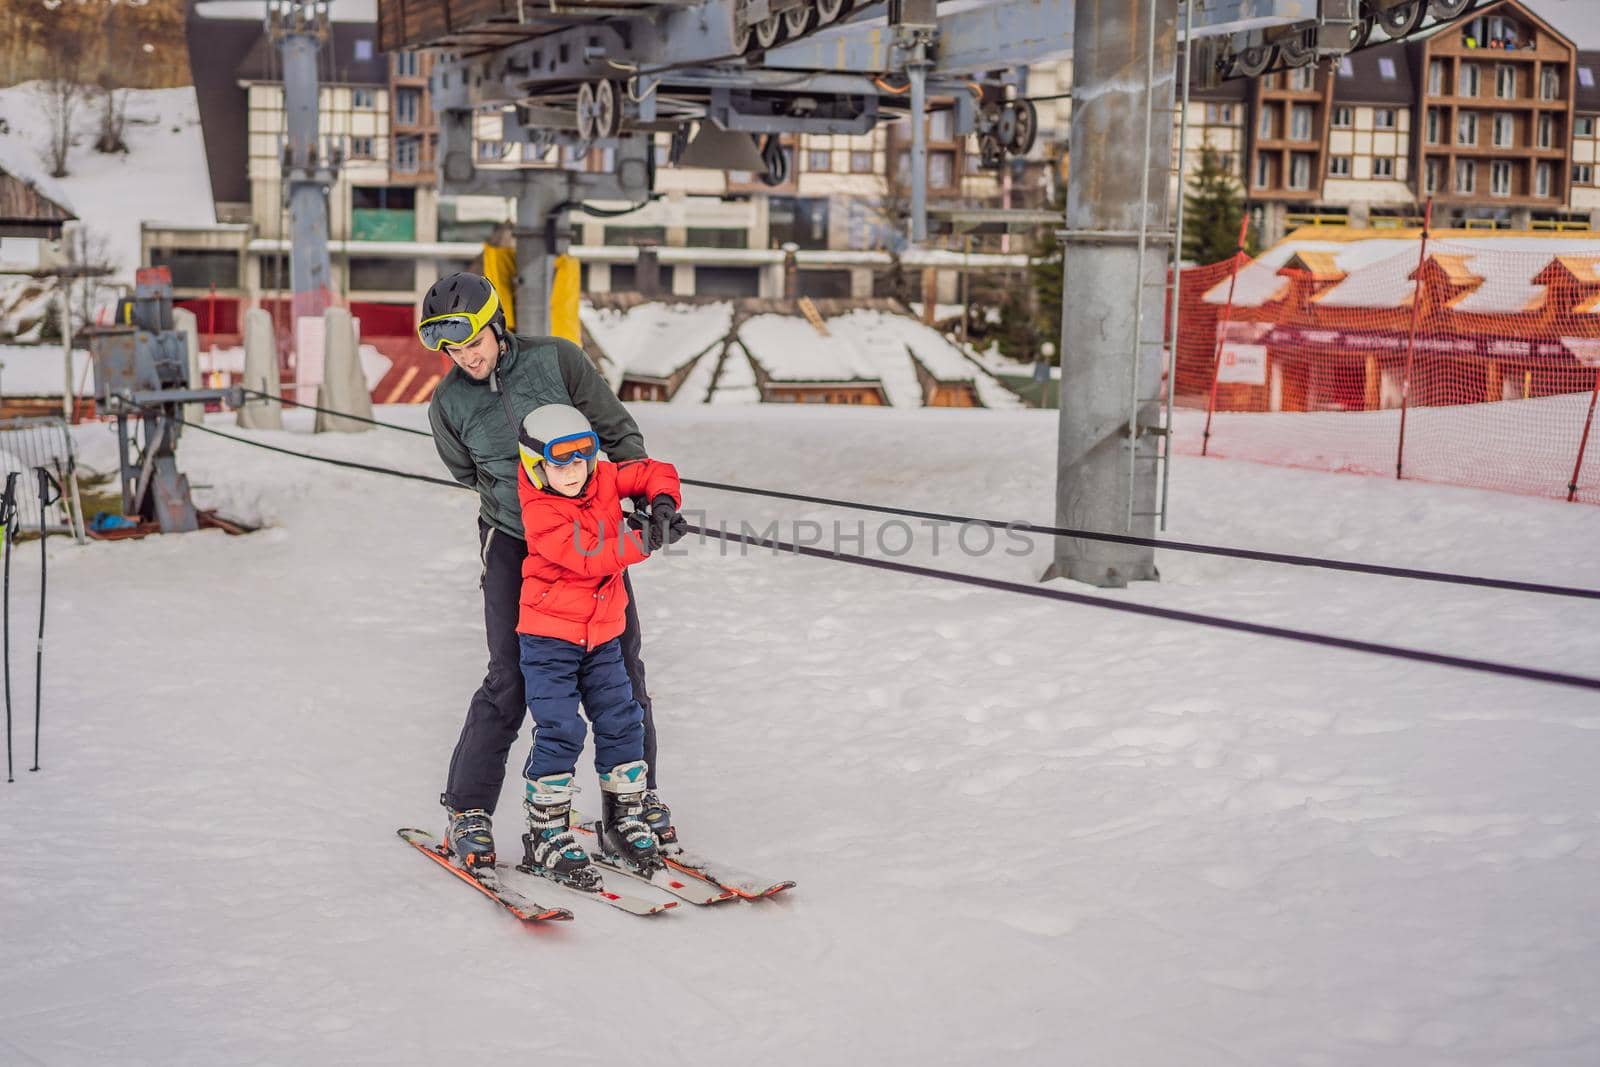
(578, 547)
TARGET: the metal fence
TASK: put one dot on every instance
(29, 443)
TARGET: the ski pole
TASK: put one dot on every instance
(8, 512)
(47, 484)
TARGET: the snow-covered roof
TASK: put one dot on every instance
(654, 339)
(1379, 272)
(790, 349)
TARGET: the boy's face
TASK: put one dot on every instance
(568, 480)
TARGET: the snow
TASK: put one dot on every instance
(1024, 832)
(165, 151)
(37, 370)
(736, 379)
(887, 337)
(655, 339)
(791, 349)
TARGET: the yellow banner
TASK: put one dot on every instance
(565, 289)
(500, 267)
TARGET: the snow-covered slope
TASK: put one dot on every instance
(1025, 832)
(162, 178)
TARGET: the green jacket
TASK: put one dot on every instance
(475, 423)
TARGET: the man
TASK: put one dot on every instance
(498, 378)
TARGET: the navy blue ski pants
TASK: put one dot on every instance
(558, 675)
(500, 706)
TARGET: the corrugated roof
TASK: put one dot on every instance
(21, 204)
(1378, 75)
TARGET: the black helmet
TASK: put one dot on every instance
(469, 296)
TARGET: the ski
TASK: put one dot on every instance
(734, 879)
(731, 879)
(694, 889)
(621, 901)
(517, 904)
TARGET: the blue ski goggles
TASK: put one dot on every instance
(570, 449)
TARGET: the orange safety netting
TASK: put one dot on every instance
(1459, 359)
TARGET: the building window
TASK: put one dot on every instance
(363, 99)
(1550, 84)
(1582, 174)
(861, 162)
(1505, 81)
(1300, 122)
(360, 148)
(1383, 118)
(406, 65)
(198, 269)
(407, 105)
(1583, 126)
(1302, 78)
(1225, 160)
(633, 236)
(1505, 129)
(1547, 126)
(1267, 128)
(407, 154)
(1469, 79)
(1339, 167)
(942, 125)
(1436, 77)
(1430, 176)
(1466, 176)
(382, 275)
(1543, 179)
(1263, 172)
(715, 237)
(941, 169)
(1383, 167)
(1467, 128)
(1500, 178)
(1586, 77)
(1343, 118)
(1435, 125)
(819, 161)
(1300, 170)
(1386, 68)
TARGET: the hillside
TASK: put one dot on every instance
(98, 42)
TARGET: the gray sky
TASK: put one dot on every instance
(1577, 19)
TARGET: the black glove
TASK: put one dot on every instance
(639, 523)
(666, 522)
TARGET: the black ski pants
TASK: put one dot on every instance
(500, 706)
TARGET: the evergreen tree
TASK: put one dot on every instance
(1213, 207)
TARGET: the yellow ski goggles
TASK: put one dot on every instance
(456, 328)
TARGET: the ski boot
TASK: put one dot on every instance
(549, 848)
(624, 836)
(658, 817)
(471, 841)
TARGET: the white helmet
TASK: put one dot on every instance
(558, 434)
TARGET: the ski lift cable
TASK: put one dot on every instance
(1193, 547)
(1510, 670)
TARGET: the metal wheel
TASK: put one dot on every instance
(1025, 128)
(1255, 60)
(1360, 33)
(743, 39)
(1006, 128)
(799, 20)
(1449, 9)
(1401, 20)
(586, 112)
(1298, 51)
(830, 11)
(777, 161)
(990, 152)
(607, 109)
(769, 31)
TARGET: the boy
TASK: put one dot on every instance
(569, 624)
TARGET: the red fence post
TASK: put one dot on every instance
(1216, 352)
(1583, 442)
(1411, 340)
